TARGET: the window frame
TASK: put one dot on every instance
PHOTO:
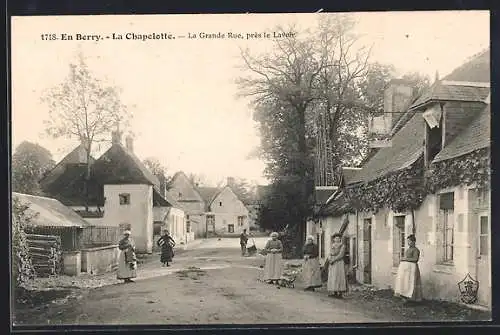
(124, 199)
(480, 235)
(399, 231)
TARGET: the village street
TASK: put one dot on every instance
(210, 283)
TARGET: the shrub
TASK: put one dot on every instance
(22, 268)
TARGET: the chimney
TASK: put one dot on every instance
(396, 96)
(116, 137)
(129, 143)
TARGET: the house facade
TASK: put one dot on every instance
(431, 179)
(122, 192)
(210, 210)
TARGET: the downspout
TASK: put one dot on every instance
(357, 242)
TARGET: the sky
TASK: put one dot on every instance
(182, 92)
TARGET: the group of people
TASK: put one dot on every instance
(127, 261)
(408, 282)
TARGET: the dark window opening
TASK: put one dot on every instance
(220, 203)
(434, 140)
(124, 199)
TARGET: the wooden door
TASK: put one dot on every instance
(367, 251)
(484, 259)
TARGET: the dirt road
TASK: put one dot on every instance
(206, 285)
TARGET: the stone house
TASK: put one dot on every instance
(122, 192)
(210, 210)
(430, 178)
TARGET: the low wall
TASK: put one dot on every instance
(72, 263)
(99, 259)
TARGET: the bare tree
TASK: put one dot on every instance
(84, 108)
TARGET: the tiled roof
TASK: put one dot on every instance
(476, 136)
(406, 148)
(445, 92)
(50, 212)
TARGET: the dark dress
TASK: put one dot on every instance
(167, 245)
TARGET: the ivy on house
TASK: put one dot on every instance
(400, 191)
(471, 169)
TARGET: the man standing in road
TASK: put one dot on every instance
(243, 242)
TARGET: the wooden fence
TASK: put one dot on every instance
(46, 254)
(69, 236)
(94, 236)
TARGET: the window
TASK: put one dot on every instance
(483, 236)
(230, 228)
(398, 240)
(220, 203)
(446, 226)
(434, 139)
(241, 220)
(188, 227)
(180, 195)
(124, 198)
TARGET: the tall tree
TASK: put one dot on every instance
(30, 162)
(160, 171)
(85, 108)
(242, 189)
(306, 86)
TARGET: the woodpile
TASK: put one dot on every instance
(46, 254)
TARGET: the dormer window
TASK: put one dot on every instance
(124, 198)
(434, 132)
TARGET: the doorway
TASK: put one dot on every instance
(367, 251)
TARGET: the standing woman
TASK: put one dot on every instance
(311, 273)
(408, 283)
(167, 244)
(127, 262)
(337, 281)
(273, 268)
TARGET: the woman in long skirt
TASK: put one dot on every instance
(337, 280)
(127, 261)
(167, 244)
(408, 282)
(273, 268)
(311, 273)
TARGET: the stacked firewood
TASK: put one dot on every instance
(46, 254)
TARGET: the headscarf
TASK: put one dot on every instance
(274, 234)
(127, 233)
(310, 238)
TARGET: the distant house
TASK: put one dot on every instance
(255, 206)
(121, 191)
(210, 210)
(431, 179)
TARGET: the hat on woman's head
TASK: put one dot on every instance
(127, 232)
(310, 237)
(274, 234)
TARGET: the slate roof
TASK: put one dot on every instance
(477, 69)
(476, 136)
(208, 194)
(442, 91)
(50, 211)
(407, 147)
(321, 196)
(117, 165)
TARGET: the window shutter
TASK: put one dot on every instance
(446, 200)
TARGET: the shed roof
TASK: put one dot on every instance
(50, 211)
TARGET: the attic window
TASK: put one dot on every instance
(434, 132)
(220, 203)
(124, 198)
